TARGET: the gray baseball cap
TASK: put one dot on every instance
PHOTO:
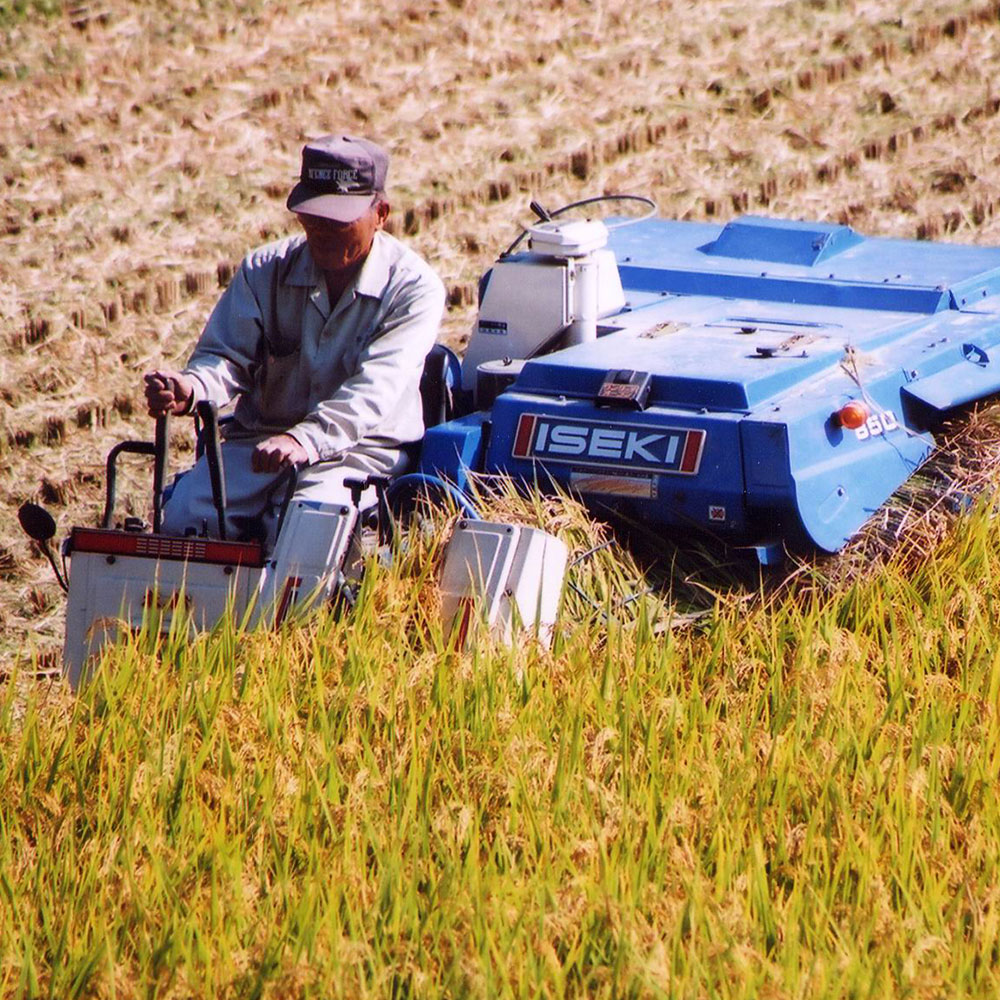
(341, 177)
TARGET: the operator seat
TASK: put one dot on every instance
(439, 384)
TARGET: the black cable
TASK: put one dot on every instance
(580, 204)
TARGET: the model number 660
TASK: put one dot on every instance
(877, 423)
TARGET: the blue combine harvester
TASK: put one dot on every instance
(769, 382)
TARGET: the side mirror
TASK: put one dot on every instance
(40, 525)
(36, 521)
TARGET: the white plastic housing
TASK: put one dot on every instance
(586, 294)
(308, 562)
(505, 574)
(529, 301)
(205, 579)
(574, 238)
(110, 592)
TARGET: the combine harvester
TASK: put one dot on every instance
(768, 382)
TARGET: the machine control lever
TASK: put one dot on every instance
(208, 413)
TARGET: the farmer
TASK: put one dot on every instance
(321, 339)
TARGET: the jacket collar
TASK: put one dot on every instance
(372, 280)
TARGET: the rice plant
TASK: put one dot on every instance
(794, 796)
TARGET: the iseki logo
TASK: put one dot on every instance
(578, 442)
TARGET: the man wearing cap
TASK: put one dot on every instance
(321, 339)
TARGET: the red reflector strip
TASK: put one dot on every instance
(525, 432)
(288, 597)
(463, 618)
(204, 550)
(692, 451)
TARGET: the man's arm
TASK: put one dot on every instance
(278, 452)
(219, 368)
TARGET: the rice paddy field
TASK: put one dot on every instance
(716, 783)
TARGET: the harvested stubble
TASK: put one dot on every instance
(144, 147)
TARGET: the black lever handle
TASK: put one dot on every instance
(208, 413)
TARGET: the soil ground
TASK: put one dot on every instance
(145, 146)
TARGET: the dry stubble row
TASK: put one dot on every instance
(143, 149)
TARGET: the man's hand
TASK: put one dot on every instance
(168, 392)
(279, 452)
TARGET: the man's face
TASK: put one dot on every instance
(339, 246)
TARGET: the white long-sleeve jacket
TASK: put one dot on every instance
(338, 377)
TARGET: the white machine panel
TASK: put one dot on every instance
(507, 575)
(309, 560)
(109, 592)
(529, 301)
(525, 304)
